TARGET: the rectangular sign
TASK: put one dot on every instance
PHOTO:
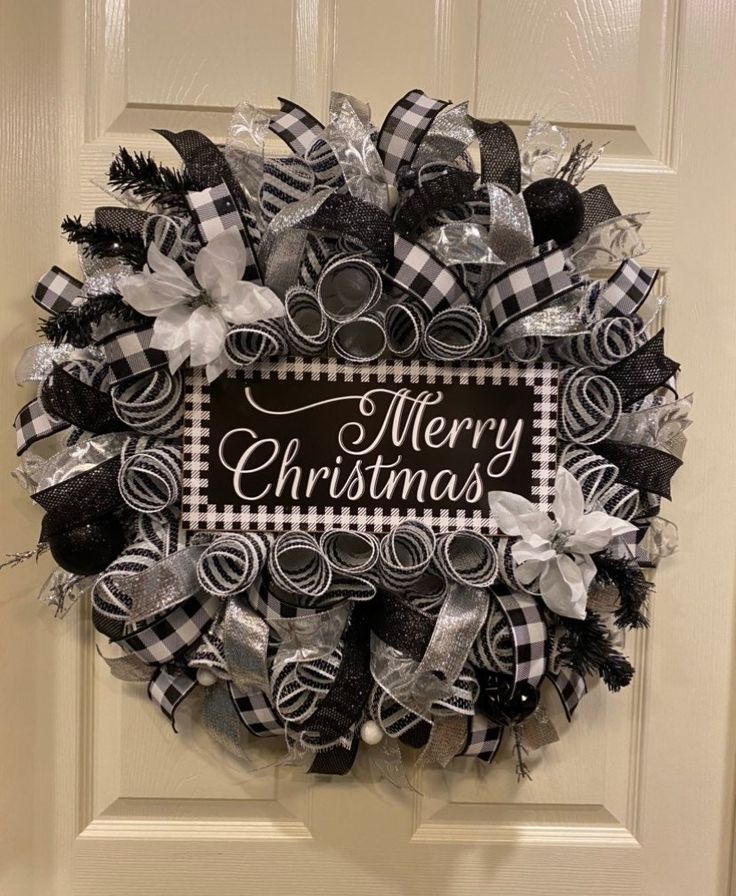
(318, 444)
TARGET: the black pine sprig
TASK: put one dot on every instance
(104, 242)
(142, 176)
(634, 590)
(586, 647)
(75, 324)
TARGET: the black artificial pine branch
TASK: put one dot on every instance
(74, 325)
(104, 242)
(585, 646)
(633, 589)
(148, 180)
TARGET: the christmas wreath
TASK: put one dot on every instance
(424, 610)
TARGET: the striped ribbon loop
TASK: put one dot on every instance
(300, 568)
(230, 563)
(150, 474)
(608, 341)
(361, 340)
(467, 558)
(284, 181)
(507, 566)
(405, 554)
(249, 343)
(324, 164)
(493, 649)
(525, 349)
(350, 552)
(590, 406)
(296, 688)
(317, 249)
(307, 328)
(348, 287)
(598, 480)
(151, 404)
(456, 333)
(405, 323)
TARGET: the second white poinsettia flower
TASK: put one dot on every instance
(193, 316)
(555, 552)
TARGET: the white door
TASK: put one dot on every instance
(102, 797)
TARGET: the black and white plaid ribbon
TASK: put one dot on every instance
(256, 712)
(403, 129)
(527, 287)
(152, 404)
(529, 634)
(571, 688)
(150, 474)
(57, 291)
(417, 273)
(297, 128)
(129, 354)
(169, 687)
(33, 423)
(627, 289)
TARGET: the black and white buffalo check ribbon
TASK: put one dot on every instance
(405, 126)
(169, 687)
(33, 423)
(419, 274)
(627, 289)
(297, 128)
(56, 291)
(527, 287)
(129, 354)
(256, 712)
(571, 688)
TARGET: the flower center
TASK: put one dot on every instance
(203, 298)
(559, 542)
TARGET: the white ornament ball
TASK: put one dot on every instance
(371, 734)
(206, 677)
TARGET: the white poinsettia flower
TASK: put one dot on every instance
(194, 316)
(555, 553)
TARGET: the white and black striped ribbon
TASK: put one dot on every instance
(598, 480)
(284, 181)
(608, 341)
(590, 406)
(348, 288)
(150, 474)
(307, 327)
(249, 343)
(316, 252)
(405, 554)
(467, 558)
(323, 162)
(455, 334)
(405, 324)
(231, 563)
(299, 567)
(524, 350)
(507, 566)
(151, 404)
(362, 340)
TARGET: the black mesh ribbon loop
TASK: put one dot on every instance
(499, 154)
(647, 369)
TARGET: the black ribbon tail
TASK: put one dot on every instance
(647, 369)
(500, 162)
(641, 466)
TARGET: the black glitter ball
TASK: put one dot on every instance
(505, 710)
(555, 209)
(406, 178)
(88, 548)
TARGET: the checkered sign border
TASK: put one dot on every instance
(198, 514)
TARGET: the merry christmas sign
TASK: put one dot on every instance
(320, 444)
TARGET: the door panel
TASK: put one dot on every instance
(636, 795)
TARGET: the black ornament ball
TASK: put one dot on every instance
(555, 209)
(407, 178)
(515, 708)
(88, 548)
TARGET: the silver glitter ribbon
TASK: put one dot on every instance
(37, 361)
(662, 426)
(160, 587)
(245, 643)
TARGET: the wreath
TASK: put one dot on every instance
(365, 253)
